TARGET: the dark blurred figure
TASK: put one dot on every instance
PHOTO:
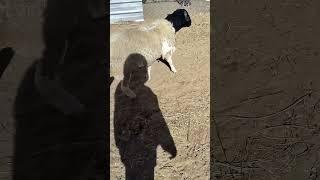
(6, 54)
(139, 126)
(60, 108)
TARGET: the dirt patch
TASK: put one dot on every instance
(265, 79)
(183, 98)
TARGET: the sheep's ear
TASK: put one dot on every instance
(186, 15)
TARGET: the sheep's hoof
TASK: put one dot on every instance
(174, 70)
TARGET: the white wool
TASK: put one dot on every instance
(153, 41)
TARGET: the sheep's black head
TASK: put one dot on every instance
(179, 19)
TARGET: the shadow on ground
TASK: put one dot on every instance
(49, 144)
(139, 125)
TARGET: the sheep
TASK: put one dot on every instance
(154, 41)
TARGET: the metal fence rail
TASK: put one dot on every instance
(126, 10)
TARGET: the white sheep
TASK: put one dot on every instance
(153, 41)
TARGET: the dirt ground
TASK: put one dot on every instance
(265, 98)
(23, 33)
(266, 90)
(183, 98)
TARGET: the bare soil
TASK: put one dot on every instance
(183, 98)
(265, 98)
(266, 90)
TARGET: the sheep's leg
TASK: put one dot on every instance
(169, 60)
(125, 86)
(149, 73)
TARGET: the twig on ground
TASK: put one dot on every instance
(272, 114)
(188, 130)
(220, 141)
(236, 168)
(246, 100)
